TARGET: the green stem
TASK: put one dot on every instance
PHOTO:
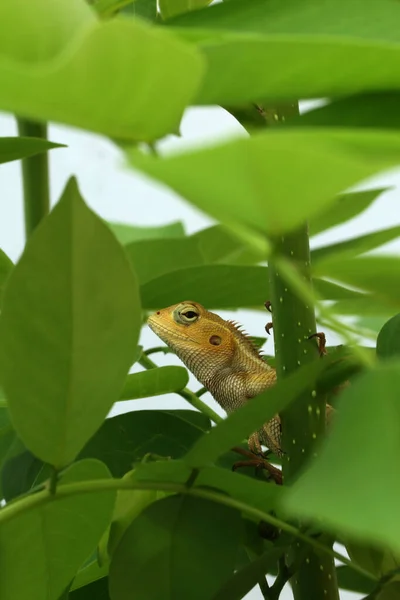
(303, 422)
(19, 506)
(185, 393)
(35, 177)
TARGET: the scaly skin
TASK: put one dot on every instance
(222, 358)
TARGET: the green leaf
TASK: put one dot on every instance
(126, 234)
(15, 148)
(243, 286)
(390, 591)
(355, 246)
(378, 110)
(175, 538)
(126, 439)
(7, 434)
(89, 573)
(321, 163)
(6, 266)
(349, 579)
(377, 560)
(344, 208)
(154, 382)
(373, 274)
(96, 590)
(388, 342)
(153, 258)
(218, 243)
(244, 580)
(248, 418)
(364, 443)
(69, 327)
(70, 43)
(21, 473)
(170, 8)
(65, 533)
(313, 50)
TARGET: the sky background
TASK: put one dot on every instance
(119, 194)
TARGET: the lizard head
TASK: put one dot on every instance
(204, 342)
(196, 335)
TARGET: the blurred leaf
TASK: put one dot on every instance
(355, 246)
(248, 418)
(52, 48)
(125, 439)
(126, 234)
(378, 110)
(377, 560)
(349, 579)
(374, 274)
(243, 286)
(145, 9)
(390, 591)
(244, 580)
(388, 342)
(175, 538)
(170, 8)
(358, 465)
(6, 266)
(364, 305)
(21, 473)
(89, 573)
(321, 163)
(154, 382)
(153, 258)
(372, 323)
(313, 49)
(343, 208)
(15, 148)
(68, 330)
(217, 243)
(65, 533)
(96, 590)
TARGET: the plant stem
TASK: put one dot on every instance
(35, 177)
(303, 422)
(21, 505)
(185, 393)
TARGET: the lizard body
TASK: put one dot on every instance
(223, 358)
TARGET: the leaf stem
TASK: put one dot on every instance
(185, 393)
(35, 177)
(17, 507)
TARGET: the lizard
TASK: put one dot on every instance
(224, 359)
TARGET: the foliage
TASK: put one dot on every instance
(145, 504)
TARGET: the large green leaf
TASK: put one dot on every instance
(95, 590)
(312, 49)
(358, 466)
(53, 50)
(374, 274)
(69, 327)
(175, 538)
(132, 233)
(7, 434)
(154, 382)
(21, 473)
(242, 286)
(64, 532)
(250, 417)
(355, 246)
(126, 439)
(378, 110)
(344, 208)
(152, 258)
(14, 148)
(388, 342)
(349, 579)
(318, 164)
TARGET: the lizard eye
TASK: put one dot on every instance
(186, 316)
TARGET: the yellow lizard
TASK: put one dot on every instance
(223, 358)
